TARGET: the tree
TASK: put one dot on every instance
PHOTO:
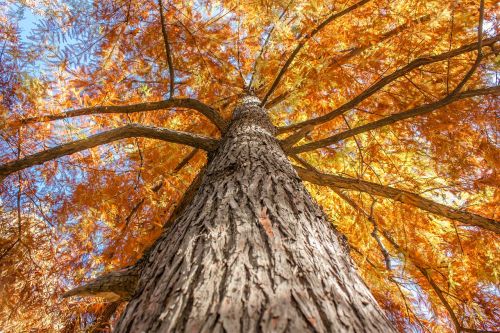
(284, 166)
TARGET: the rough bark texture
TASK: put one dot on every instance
(113, 286)
(252, 252)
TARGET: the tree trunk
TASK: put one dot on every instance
(252, 252)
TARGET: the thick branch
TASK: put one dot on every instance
(418, 111)
(399, 195)
(186, 160)
(388, 79)
(187, 103)
(127, 131)
(453, 96)
(295, 137)
(303, 42)
(167, 49)
(113, 286)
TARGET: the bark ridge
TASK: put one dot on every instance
(252, 252)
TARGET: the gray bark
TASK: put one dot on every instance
(187, 103)
(252, 252)
(403, 196)
(127, 131)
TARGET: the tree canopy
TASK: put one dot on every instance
(388, 109)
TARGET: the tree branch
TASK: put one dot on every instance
(128, 131)
(402, 196)
(167, 50)
(441, 297)
(303, 41)
(418, 111)
(295, 137)
(187, 103)
(121, 285)
(434, 287)
(357, 50)
(388, 79)
(264, 46)
(375, 233)
(183, 203)
(156, 187)
(186, 160)
(114, 286)
(427, 276)
(429, 279)
(352, 53)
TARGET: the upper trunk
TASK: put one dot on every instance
(252, 252)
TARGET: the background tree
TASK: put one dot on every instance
(387, 109)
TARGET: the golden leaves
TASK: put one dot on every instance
(111, 54)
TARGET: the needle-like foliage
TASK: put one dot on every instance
(388, 109)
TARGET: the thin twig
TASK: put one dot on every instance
(167, 50)
(302, 43)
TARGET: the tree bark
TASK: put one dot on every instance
(187, 103)
(127, 131)
(252, 252)
(403, 196)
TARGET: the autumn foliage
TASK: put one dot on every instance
(413, 83)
